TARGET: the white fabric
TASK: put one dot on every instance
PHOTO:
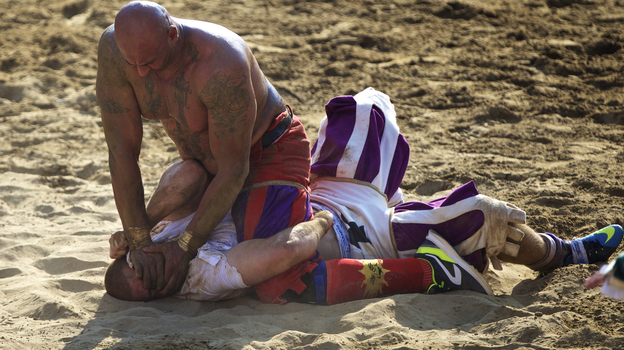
(612, 287)
(353, 151)
(352, 154)
(210, 277)
(492, 235)
(363, 206)
(366, 207)
(365, 101)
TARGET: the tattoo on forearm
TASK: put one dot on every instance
(152, 98)
(227, 100)
(182, 89)
(140, 193)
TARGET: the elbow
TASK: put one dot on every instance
(121, 156)
(241, 171)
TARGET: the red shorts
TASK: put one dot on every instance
(275, 195)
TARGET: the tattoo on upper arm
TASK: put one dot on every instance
(111, 78)
(227, 100)
(113, 107)
(111, 63)
(152, 98)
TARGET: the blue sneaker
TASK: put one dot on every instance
(449, 271)
(595, 247)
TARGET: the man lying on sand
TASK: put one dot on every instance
(376, 245)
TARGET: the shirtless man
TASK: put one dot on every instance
(230, 125)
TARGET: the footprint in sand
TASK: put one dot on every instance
(59, 266)
(10, 272)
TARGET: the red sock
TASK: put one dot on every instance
(351, 279)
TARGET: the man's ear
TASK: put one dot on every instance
(173, 33)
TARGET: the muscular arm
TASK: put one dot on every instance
(231, 108)
(121, 121)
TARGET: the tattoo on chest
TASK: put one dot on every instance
(227, 100)
(182, 89)
(190, 144)
(152, 99)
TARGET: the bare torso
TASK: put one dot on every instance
(174, 99)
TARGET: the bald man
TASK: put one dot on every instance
(231, 127)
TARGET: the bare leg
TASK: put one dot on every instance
(179, 191)
(256, 260)
(532, 248)
(541, 252)
(177, 195)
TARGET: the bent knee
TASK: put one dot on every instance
(186, 171)
(294, 251)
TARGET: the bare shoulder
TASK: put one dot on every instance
(107, 47)
(110, 61)
(225, 61)
(112, 86)
(218, 43)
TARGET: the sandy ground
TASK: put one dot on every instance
(522, 96)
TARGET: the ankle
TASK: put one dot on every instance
(557, 252)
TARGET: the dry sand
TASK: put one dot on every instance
(522, 96)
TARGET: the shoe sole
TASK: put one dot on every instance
(448, 249)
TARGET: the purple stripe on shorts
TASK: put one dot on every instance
(340, 122)
(462, 192)
(398, 167)
(370, 159)
(276, 211)
(411, 235)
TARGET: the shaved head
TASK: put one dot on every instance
(121, 283)
(139, 18)
(146, 35)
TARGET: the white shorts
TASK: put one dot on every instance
(210, 277)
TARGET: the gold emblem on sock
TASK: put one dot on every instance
(374, 277)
